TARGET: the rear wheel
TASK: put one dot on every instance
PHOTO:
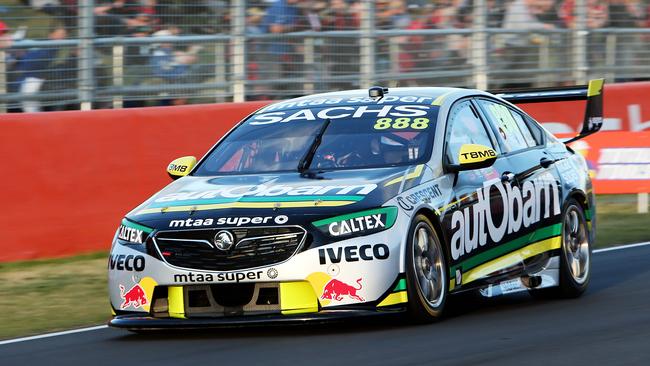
(426, 272)
(575, 263)
(575, 255)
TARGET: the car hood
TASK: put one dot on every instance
(294, 197)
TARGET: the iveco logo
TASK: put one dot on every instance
(223, 240)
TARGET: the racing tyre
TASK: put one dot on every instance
(426, 272)
(575, 256)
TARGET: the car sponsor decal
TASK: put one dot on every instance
(236, 277)
(137, 296)
(260, 196)
(132, 233)
(229, 221)
(541, 240)
(522, 208)
(122, 262)
(417, 171)
(276, 203)
(398, 295)
(134, 297)
(263, 190)
(401, 123)
(334, 101)
(335, 290)
(353, 253)
(353, 112)
(358, 223)
(427, 194)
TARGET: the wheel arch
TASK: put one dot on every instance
(583, 200)
(580, 197)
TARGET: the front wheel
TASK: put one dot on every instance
(426, 272)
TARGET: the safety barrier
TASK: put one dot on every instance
(71, 176)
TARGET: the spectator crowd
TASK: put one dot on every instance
(280, 61)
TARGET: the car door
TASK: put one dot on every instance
(465, 219)
(533, 189)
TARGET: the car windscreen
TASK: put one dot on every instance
(355, 137)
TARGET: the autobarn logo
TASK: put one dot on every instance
(130, 234)
(353, 253)
(230, 221)
(197, 277)
(426, 195)
(263, 190)
(522, 208)
(357, 225)
(123, 262)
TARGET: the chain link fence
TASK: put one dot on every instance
(87, 54)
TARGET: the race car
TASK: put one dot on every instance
(362, 202)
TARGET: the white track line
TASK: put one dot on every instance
(48, 335)
(90, 329)
(622, 247)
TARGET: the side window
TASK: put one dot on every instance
(506, 125)
(536, 130)
(464, 127)
(523, 127)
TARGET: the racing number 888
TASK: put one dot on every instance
(402, 123)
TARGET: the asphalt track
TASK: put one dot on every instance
(609, 325)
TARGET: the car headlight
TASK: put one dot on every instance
(358, 223)
(130, 232)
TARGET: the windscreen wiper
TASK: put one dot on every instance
(305, 162)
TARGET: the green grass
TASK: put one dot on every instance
(617, 221)
(49, 295)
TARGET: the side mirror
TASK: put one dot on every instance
(181, 167)
(473, 156)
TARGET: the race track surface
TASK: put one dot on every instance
(609, 325)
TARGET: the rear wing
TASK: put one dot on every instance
(593, 93)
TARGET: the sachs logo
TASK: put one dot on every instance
(521, 209)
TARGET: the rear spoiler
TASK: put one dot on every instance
(593, 93)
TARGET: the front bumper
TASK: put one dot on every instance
(347, 278)
(144, 322)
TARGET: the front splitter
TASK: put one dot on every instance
(140, 322)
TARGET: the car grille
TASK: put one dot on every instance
(254, 247)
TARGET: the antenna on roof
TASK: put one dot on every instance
(377, 92)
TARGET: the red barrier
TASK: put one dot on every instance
(619, 162)
(627, 108)
(71, 176)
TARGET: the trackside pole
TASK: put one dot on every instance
(642, 203)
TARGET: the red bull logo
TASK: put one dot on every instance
(135, 297)
(335, 290)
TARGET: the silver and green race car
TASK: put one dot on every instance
(359, 203)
